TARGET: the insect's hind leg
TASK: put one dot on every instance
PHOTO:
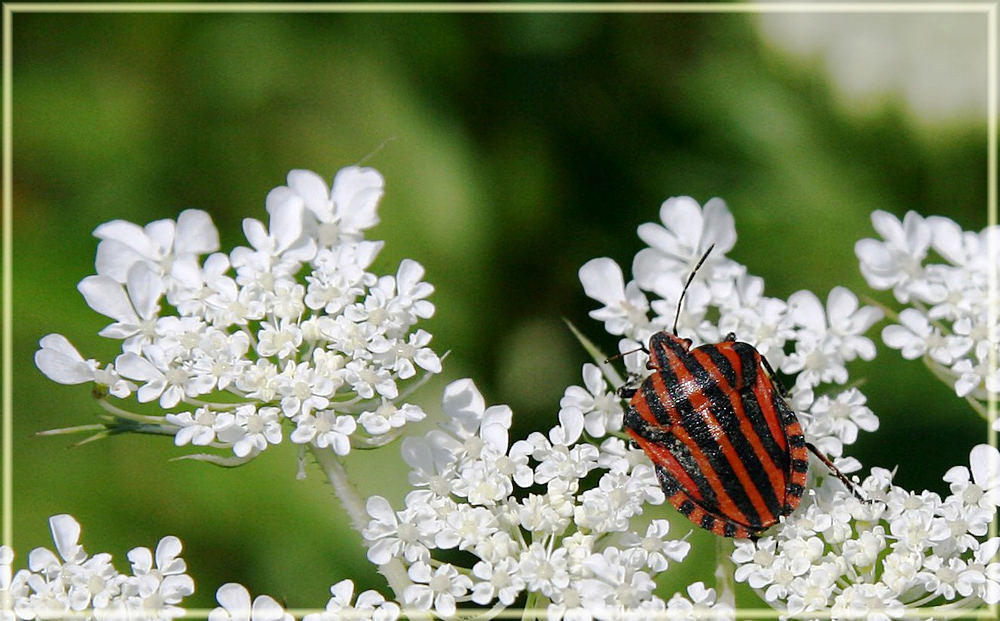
(774, 378)
(836, 472)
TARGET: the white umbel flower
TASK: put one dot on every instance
(295, 320)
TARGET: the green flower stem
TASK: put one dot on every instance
(609, 372)
(532, 604)
(118, 412)
(491, 613)
(71, 430)
(724, 571)
(354, 505)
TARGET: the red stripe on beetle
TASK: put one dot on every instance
(703, 405)
(775, 476)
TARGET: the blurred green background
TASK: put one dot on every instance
(516, 147)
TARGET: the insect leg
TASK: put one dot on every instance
(641, 348)
(836, 472)
(626, 391)
(774, 378)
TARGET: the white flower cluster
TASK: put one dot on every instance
(947, 321)
(74, 584)
(292, 328)
(700, 604)
(526, 517)
(799, 336)
(870, 560)
(235, 605)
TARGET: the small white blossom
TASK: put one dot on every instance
(700, 603)
(625, 306)
(839, 419)
(828, 337)
(199, 428)
(235, 605)
(544, 571)
(896, 262)
(686, 232)
(915, 337)
(368, 605)
(69, 582)
(501, 581)
(439, 588)
(653, 550)
(408, 532)
(168, 246)
(62, 363)
(602, 410)
(252, 430)
(983, 487)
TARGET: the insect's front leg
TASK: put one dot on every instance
(630, 387)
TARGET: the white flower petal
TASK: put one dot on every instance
(108, 298)
(134, 366)
(115, 257)
(61, 362)
(806, 310)
(145, 287)
(141, 559)
(312, 190)
(235, 599)
(408, 275)
(718, 228)
(167, 551)
(603, 281)
(356, 193)
(682, 215)
(463, 402)
(256, 234)
(265, 608)
(65, 534)
(985, 464)
(286, 225)
(841, 302)
(889, 227)
(380, 509)
(382, 551)
(650, 265)
(196, 233)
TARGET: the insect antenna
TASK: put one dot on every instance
(680, 301)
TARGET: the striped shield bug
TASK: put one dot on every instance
(728, 451)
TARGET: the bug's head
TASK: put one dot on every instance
(680, 300)
(664, 340)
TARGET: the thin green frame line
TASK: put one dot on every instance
(6, 218)
(508, 7)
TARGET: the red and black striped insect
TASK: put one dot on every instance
(729, 452)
